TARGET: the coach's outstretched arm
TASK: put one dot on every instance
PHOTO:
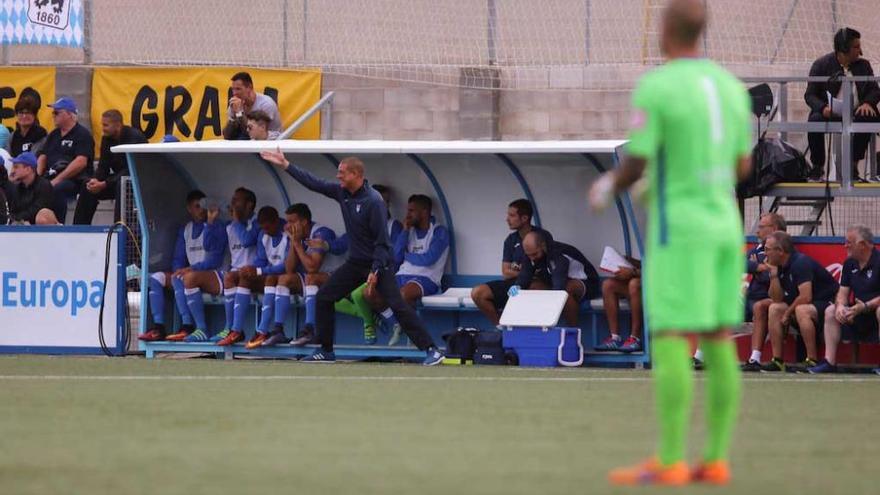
(327, 188)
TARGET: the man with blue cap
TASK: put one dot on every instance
(66, 159)
(33, 192)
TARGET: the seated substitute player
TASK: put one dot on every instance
(557, 266)
(857, 305)
(757, 295)
(690, 130)
(624, 283)
(306, 268)
(242, 233)
(200, 247)
(491, 297)
(801, 289)
(272, 248)
(241, 237)
(420, 250)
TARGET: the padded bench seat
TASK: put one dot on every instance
(453, 297)
(598, 305)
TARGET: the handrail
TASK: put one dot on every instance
(306, 116)
(786, 79)
(845, 127)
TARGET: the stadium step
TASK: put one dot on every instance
(792, 210)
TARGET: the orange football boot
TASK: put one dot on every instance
(714, 473)
(257, 341)
(651, 472)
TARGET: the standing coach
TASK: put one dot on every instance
(369, 258)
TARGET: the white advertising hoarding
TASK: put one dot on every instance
(51, 285)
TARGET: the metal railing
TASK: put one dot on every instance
(307, 115)
(845, 127)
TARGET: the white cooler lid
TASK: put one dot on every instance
(534, 308)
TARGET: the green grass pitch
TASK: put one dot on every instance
(133, 426)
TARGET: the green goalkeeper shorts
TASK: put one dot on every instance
(694, 286)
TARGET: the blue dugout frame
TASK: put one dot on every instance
(623, 204)
(121, 299)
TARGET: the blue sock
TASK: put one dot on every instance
(240, 307)
(180, 300)
(311, 293)
(157, 298)
(282, 304)
(196, 307)
(267, 312)
(388, 317)
(229, 305)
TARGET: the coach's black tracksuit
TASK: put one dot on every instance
(365, 215)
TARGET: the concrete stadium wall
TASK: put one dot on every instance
(597, 49)
(448, 33)
(373, 108)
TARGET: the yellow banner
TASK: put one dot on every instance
(38, 81)
(191, 103)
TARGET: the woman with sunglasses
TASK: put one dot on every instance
(28, 134)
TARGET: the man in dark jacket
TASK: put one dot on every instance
(555, 265)
(369, 255)
(34, 192)
(844, 61)
(111, 166)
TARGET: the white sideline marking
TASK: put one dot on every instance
(585, 379)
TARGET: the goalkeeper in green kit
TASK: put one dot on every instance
(691, 137)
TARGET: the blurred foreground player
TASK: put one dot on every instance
(691, 137)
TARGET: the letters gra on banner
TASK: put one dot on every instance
(192, 103)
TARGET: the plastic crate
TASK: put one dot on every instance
(545, 347)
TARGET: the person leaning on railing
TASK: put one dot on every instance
(845, 60)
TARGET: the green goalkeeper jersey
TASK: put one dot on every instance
(691, 121)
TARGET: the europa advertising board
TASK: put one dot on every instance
(51, 287)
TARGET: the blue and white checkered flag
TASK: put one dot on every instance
(41, 22)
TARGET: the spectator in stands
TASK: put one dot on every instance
(32, 193)
(258, 126)
(491, 297)
(307, 268)
(364, 215)
(4, 137)
(420, 251)
(245, 100)
(355, 304)
(4, 209)
(199, 247)
(242, 234)
(111, 166)
(857, 305)
(557, 266)
(844, 61)
(757, 295)
(273, 246)
(47, 217)
(6, 184)
(67, 157)
(625, 283)
(801, 290)
(29, 135)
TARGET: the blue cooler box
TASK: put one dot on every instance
(545, 347)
